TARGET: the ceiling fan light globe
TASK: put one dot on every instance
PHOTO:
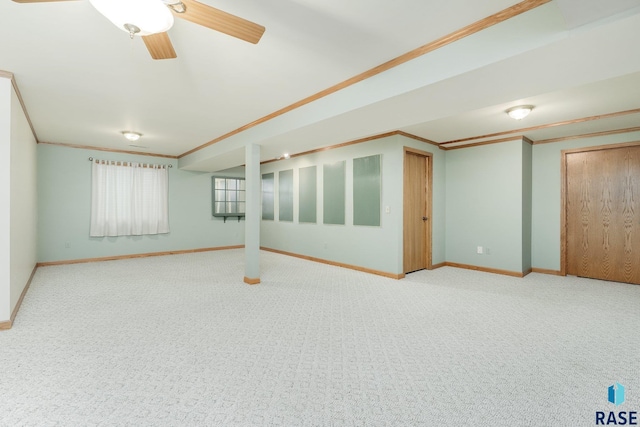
(150, 16)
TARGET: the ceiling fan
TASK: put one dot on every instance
(151, 19)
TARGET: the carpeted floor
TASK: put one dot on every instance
(181, 341)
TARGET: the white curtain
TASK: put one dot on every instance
(128, 199)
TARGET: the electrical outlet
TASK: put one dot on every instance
(67, 245)
(387, 209)
(479, 250)
(487, 251)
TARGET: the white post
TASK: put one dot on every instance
(5, 202)
(252, 215)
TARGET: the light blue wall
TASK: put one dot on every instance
(527, 188)
(507, 197)
(484, 203)
(546, 196)
(64, 209)
(377, 248)
(482, 196)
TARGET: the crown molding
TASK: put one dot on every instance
(549, 125)
(490, 21)
(11, 76)
(111, 150)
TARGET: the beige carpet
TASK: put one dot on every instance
(181, 341)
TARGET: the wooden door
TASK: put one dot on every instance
(603, 214)
(417, 210)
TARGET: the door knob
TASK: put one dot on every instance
(424, 218)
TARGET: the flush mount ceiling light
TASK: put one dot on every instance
(131, 136)
(142, 17)
(519, 112)
(286, 155)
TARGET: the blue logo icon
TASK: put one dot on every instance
(616, 394)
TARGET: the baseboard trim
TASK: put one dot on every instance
(145, 255)
(251, 281)
(337, 264)
(487, 269)
(9, 324)
(439, 265)
(546, 271)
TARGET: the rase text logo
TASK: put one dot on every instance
(616, 396)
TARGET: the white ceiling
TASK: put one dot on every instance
(83, 80)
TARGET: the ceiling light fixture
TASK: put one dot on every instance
(519, 112)
(131, 136)
(142, 17)
(286, 155)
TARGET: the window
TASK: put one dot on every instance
(228, 197)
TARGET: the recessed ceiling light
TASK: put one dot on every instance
(131, 136)
(519, 112)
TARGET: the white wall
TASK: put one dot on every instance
(18, 200)
(24, 201)
(5, 198)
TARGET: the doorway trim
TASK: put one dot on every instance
(563, 194)
(429, 231)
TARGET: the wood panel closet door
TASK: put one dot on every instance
(603, 214)
(417, 210)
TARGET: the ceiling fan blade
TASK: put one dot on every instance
(219, 20)
(159, 46)
(39, 1)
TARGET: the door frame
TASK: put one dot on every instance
(429, 197)
(564, 188)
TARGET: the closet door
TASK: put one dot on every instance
(603, 214)
(417, 210)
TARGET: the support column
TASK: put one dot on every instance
(5, 202)
(18, 201)
(252, 215)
